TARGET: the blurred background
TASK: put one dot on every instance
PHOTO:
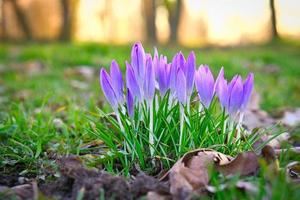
(188, 22)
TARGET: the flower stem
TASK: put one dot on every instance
(151, 134)
(181, 127)
(239, 125)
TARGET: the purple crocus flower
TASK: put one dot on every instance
(117, 81)
(235, 91)
(130, 103)
(163, 75)
(247, 89)
(190, 66)
(149, 82)
(204, 81)
(107, 89)
(132, 83)
(181, 87)
(138, 59)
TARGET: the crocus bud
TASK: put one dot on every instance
(204, 81)
(117, 81)
(173, 74)
(163, 75)
(181, 86)
(235, 90)
(132, 83)
(181, 62)
(247, 89)
(107, 89)
(138, 59)
(221, 89)
(149, 82)
(190, 73)
(130, 103)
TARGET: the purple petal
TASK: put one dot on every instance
(107, 89)
(149, 83)
(132, 83)
(221, 89)
(116, 80)
(236, 94)
(247, 89)
(190, 66)
(130, 103)
(219, 78)
(138, 61)
(163, 76)
(181, 87)
(205, 84)
(173, 74)
(181, 62)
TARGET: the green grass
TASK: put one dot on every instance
(32, 106)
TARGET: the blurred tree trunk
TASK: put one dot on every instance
(3, 27)
(174, 8)
(273, 20)
(22, 20)
(65, 33)
(150, 14)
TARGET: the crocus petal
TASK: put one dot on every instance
(163, 76)
(149, 83)
(181, 62)
(132, 83)
(221, 89)
(116, 80)
(173, 74)
(130, 103)
(236, 94)
(181, 87)
(107, 89)
(220, 77)
(247, 89)
(204, 81)
(190, 66)
(138, 61)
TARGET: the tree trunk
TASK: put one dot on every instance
(21, 17)
(3, 27)
(65, 33)
(150, 15)
(174, 16)
(273, 20)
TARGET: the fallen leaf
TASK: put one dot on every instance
(244, 164)
(79, 85)
(191, 172)
(91, 144)
(293, 171)
(291, 118)
(86, 72)
(156, 196)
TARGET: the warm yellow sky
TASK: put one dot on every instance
(222, 22)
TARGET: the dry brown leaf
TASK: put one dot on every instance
(91, 144)
(191, 172)
(156, 196)
(291, 118)
(244, 164)
(293, 171)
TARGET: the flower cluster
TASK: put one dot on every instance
(154, 110)
(146, 74)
